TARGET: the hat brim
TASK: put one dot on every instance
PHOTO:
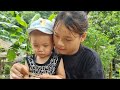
(44, 30)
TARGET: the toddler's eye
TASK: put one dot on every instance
(45, 45)
(35, 45)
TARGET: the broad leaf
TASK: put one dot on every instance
(11, 55)
(21, 21)
(52, 16)
(36, 17)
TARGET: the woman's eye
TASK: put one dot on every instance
(68, 39)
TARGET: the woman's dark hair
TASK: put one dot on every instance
(74, 20)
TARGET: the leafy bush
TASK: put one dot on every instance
(104, 36)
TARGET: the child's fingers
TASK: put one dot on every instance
(24, 71)
(44, 76)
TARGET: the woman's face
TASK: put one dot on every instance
(66, 42)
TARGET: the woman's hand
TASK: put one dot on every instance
(16, 72)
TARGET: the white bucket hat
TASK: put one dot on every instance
(43, 25)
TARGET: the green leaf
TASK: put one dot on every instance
(3, 17)
(36, 17)
(11, 55)
(12, 13)
(21, 21)
(13, 35)
(9, 25)
(52, 16)
(19, 30)
(21, 39)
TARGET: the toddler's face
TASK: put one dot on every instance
(42, 44)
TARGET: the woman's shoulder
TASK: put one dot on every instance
(89, 52)
(92, 60)
(90, 56)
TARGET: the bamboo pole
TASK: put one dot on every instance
(110, 72)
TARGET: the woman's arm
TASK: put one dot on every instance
(60, 70)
